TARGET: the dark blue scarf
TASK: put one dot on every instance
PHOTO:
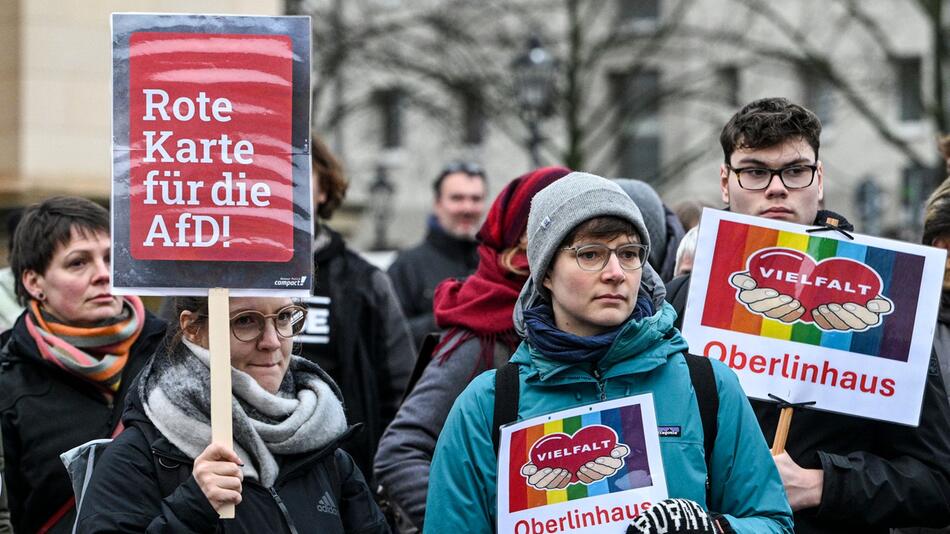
(562, 346)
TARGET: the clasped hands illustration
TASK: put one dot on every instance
(554, 478)
(840, 316)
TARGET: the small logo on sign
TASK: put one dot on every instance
(291, 282)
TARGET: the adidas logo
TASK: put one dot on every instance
(326, 505)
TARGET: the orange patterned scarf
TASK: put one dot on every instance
(96, 354)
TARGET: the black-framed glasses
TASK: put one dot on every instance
(798, 176)
(249, 325)
(595, 257)
(468, 167)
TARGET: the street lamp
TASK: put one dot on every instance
(381, 205)
(535, 73)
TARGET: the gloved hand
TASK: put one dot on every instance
(678, 516)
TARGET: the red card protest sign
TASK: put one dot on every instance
(844, 321)
(211, 153)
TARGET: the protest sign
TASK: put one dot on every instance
(544, 485)
(211, 155)
(846, 323)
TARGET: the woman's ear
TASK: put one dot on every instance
(33, 282)
(190, 329)
(546, 282)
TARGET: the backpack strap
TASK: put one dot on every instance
(507, 391)
(429, 343)
(707, 397)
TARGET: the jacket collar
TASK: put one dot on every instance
(640, 347)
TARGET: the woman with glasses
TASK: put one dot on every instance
(70, 358)
(286, 472)
(596, 328)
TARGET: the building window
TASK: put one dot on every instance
(391, 103)
(727, 78)
(911, 107)
(473, 115)
(638, 112)
(640, 10)
(818, 95)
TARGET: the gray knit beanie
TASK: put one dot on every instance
(565, 204)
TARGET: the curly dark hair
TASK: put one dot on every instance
(329, 172)
(767, 122)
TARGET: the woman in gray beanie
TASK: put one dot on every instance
(596, 328)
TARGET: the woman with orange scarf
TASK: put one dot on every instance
(68, 361)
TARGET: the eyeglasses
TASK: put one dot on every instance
(467, 167)
(595, 257)
(249, 325)
(797, 176)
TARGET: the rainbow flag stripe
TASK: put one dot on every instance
(737, 241)
(627, 422)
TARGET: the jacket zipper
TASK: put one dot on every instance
(601, 384)
(283, 510)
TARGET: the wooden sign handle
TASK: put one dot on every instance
(219, 344)
(781, 431)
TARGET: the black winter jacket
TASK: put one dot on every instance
(321, 492)
(371, 353)
(417, 271)
(44, 412)
(876, 475)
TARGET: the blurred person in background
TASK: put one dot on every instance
(449, 249)
(355, 329)
(476, 312)
(937, 234)
(10, 307)
(285, 473)
(68, 362)
(689, 212)
(686, 252)
(664, 226)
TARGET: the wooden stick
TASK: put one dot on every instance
(219, 344)
(781, 431)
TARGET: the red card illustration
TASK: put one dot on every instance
(210, 135)
(795, 273)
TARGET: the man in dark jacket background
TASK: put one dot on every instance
(449, 249)
(355, 329)
(842, 474)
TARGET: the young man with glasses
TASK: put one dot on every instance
(449, 247)
(842, 474)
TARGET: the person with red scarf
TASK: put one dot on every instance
(475, 315)
(68, 362)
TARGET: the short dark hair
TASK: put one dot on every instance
(606, 228)
(469, 168)
(330, 176)
(768, 122)
(937, 213)
(46, 226)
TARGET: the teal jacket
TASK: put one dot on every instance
(646, 357)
